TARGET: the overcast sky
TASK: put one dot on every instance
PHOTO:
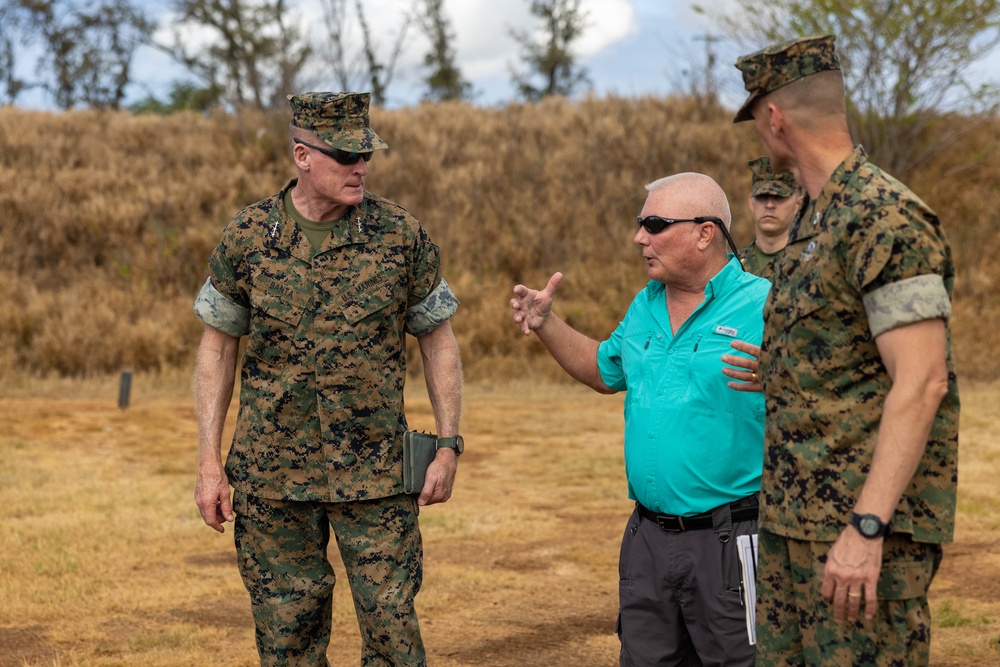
(630, 48)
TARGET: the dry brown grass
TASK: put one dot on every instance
(105, 560)
(108, 219)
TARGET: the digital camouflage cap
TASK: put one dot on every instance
(765, 182)
(339, 119)
(780, 64)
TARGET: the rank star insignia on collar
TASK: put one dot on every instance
(358, 220)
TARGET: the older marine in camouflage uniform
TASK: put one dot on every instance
(774, 201)
(324, 280)
(860, 466)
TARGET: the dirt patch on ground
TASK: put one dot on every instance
(970, 569)
(24, 645)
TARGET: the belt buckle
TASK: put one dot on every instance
(661, 522)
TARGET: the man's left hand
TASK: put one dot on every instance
(745, 377)
(851, 575)
(440, 478)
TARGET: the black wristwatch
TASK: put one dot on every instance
(869, 525)
(456, 442)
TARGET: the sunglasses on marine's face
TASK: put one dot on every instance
(654, 224)
(342, 157)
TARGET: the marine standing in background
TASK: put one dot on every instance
(861, 447)
(324, 280)
(775, 200)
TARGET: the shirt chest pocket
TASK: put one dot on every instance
(811, 349)
(373, 315)
(276, 314)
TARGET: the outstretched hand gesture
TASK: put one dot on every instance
(532, 307)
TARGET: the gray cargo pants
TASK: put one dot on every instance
(680, 601)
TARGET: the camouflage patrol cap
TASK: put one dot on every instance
(340, 119)
(780, 64)
(765, 182)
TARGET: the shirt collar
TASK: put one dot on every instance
(808, 224)
(284, 233)
(722, 282)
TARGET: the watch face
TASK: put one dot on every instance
(869, 527)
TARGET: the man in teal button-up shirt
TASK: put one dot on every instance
(693, 447)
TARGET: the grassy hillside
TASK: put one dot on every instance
(106, 220)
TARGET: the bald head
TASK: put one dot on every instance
(691, 195)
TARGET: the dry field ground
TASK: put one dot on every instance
(104, 560)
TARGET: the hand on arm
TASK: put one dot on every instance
(744, 376)
(575, 352)
(443, 375)
(915, 358)
(215, 375)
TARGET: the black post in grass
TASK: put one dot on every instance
(124, 389)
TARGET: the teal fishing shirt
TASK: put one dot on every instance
(691, 442)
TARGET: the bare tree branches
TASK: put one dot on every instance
(907, 65)
(86, 47)
(256, 55)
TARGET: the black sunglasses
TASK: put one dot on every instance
(342, 157)
(654, 224)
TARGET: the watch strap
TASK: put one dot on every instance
(450, 443)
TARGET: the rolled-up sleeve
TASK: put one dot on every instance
(433, 310)
(907, 301)
(218, 312)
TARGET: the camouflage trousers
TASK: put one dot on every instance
(281, 547)
(795, 623)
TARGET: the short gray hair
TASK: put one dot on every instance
(701, 186)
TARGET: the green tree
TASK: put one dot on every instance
(183, 96)
(907, 65)
(86, 48)
(256, 53)
(551, 58)
(444, 80)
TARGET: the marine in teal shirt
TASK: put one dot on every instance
(691, 443)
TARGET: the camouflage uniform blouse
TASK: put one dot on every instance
(321, 401)
(868, 257)
(758, 262)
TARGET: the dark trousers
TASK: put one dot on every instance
(680, 601)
